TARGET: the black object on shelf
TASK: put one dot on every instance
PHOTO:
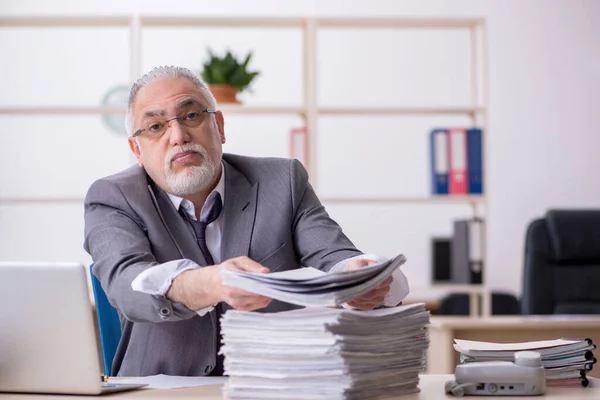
(441, 256)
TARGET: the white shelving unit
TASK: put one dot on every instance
(309, 110)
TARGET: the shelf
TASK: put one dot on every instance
(459, 288)
(68, 21)
(407, 22)
(220, 22)
(62, 110)
(475, 199)
(436, 291)
(177, 21)
(242, 109)
(81, 110)
(287, 22)
(11, 201)
(399, 110)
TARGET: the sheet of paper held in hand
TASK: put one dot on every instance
(312, 287)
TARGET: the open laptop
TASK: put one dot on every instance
(48, 341)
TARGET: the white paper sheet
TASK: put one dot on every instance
(471, 345)
(173, 382)
(310, 287)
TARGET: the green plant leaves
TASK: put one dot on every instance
(228, 70)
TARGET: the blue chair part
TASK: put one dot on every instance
(109, 323)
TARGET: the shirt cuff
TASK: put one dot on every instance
(157, 279)
(399, 288)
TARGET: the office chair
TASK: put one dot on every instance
(109, 323)
(562, 263)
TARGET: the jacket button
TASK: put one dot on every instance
(207, 369)
(165, 312)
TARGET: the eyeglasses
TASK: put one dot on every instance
(155, 128)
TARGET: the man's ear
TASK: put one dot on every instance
(135, 148)
(221, 126)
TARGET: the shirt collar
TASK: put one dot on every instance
(188, 206)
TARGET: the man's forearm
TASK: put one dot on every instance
(195, 288)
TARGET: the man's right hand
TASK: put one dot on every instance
(202, 287)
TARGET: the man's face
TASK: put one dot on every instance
(185, 160)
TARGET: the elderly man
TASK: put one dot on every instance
(160, 232)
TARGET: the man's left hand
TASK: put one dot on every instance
(373, 298)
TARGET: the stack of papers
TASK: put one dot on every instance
(324, 353)
(565, 361)
(312, 287)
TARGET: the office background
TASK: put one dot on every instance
(542, 138)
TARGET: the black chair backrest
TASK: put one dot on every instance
(562, 263)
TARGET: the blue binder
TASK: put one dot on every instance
(475, 161)
(439, 161)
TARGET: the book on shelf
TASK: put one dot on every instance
(474, 161)
(456, 159)
(466, 265)
(439, 161)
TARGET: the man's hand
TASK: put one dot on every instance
(202, 287)
(237, 298)
(373, 298)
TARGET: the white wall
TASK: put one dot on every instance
(544, 77)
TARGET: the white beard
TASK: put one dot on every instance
(192, 179)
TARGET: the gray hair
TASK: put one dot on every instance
(165, 72)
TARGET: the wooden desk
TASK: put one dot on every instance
(432, 387)
(442, 358)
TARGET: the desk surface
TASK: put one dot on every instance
(432, 387)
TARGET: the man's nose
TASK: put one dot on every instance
(178, 133)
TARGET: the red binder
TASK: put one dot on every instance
(457, 157)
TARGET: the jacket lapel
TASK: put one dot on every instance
(176, 226)
(239, 210)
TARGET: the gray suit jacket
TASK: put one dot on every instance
(270, 214)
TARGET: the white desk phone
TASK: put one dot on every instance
(522, 377)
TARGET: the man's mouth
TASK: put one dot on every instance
(184, 156)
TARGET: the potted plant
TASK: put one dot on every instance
(226, 76)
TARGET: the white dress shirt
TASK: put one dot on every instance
(157, 280)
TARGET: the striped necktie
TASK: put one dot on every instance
(210, 212)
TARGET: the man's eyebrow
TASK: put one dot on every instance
(188, 102)
(152, 113)
(183, 104)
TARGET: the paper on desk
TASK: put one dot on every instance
(470, 345)
(323, 353)
(174, 382)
